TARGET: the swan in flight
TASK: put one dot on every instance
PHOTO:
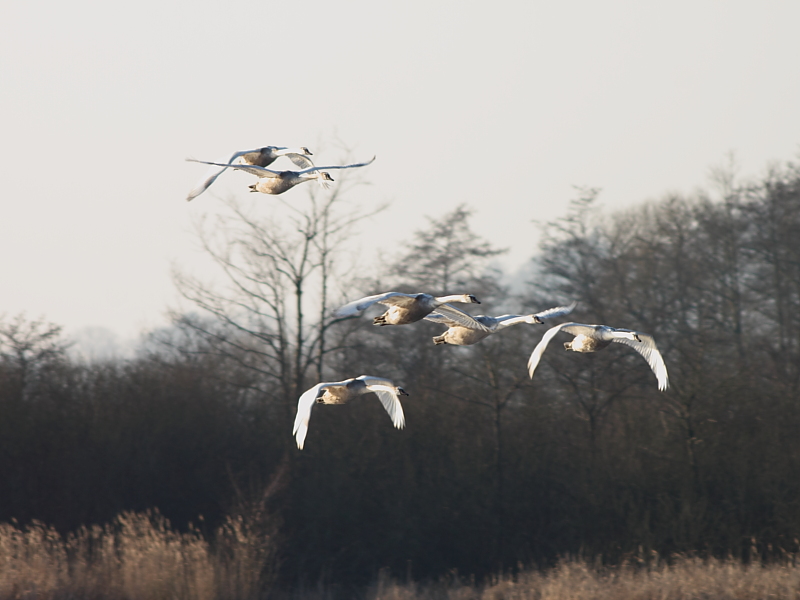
(340, 392)
(410, 308)
(277, 182)
(260, 157)
(590, 338)
(460, 335)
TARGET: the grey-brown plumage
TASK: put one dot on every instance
(341, 392)
(410, 308)
(277, 182)
(591, 338)
(260, 157)
(461, 335)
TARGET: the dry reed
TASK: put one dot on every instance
(682, 578)
(137, 556)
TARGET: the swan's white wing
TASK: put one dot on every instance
(444, 319)
(253, 169)
(301, 160)
(353, 166)
(304, 406)
(461, 318)
(391, 402)
(435, 317)
(648, 349)
(556, 311)
(387, 394)
(357, 306)
(536, 355)
(211, 176)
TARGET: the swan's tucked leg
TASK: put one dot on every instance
(439, 339)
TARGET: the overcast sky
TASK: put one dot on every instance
(504, 106)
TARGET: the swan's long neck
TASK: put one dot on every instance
(309, 176)
(508, 320)
(624, 334)
(378, 387)
(285, 151)
(453, 298)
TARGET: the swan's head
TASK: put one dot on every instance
(306, 151)
(536, 320)
(636, 337)
(323, 179)
(472, 299)
(401, 391)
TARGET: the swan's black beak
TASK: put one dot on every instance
(537, 320)
(401, 391)
(637, 338)
(474, 299)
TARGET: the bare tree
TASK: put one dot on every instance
(277, 272)
(447, 254)
(27, 347)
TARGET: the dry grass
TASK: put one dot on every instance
(681, 578)
(138, 556)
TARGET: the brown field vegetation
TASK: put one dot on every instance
(678, 579)
(139, 556)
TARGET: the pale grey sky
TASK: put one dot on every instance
(503, 106)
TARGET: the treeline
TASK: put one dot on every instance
(493, 469)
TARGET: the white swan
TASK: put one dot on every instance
(460, 335)
(590, 338)
(339, 392)
(410, 308)
(261, 157)
(277, 182)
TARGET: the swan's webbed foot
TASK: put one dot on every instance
(439, 339)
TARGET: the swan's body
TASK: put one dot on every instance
(260, 157)
(340, 392)
(590, 338)
(410, 308)
(277, 182)
(461, 335)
